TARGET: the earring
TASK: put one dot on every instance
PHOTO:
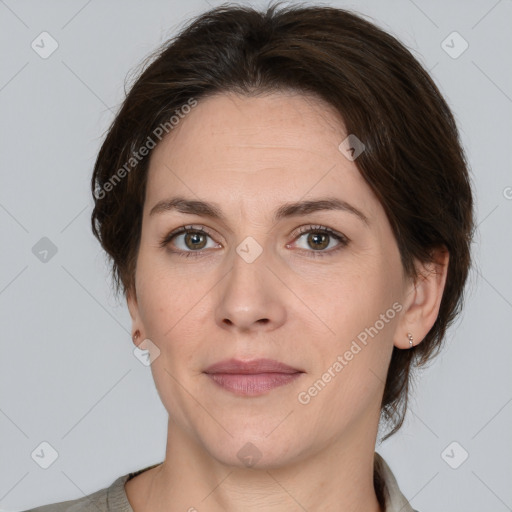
(136, 334)
(409, 335)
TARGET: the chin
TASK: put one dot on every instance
(252, 449)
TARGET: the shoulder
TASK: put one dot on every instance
(395, 501)
(109, 499)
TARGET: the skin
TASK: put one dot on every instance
(249, 156)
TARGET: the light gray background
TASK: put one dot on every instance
(68, 375)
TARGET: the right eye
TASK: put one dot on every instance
(188, 240)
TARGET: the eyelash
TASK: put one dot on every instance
(343, 240)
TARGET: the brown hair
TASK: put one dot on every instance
(413, 159)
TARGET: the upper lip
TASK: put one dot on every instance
(254, 366)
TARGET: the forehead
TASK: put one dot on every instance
(277, 147)
(278, 122)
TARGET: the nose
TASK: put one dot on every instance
(251, 297)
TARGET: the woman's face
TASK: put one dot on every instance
(319, 290)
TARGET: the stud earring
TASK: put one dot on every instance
(409, 335)
(136, 334)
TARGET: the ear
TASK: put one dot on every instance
(133, 308)
(422, 300)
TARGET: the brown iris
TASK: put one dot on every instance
(195, 239)
(317, 238)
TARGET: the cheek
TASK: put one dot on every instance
(358, 295)
(168, 305)
(349, 367)
(173, 307)
(361, 311)
(162, 295)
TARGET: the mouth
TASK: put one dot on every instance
(251, 378)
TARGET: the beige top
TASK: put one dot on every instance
(114, 499)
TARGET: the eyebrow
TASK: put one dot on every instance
(299, 208)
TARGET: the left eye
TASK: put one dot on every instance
(321, 239)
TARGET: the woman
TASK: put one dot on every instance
(288, 211)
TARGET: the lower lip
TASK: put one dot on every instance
(252, 384)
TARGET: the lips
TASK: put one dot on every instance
(251, 378)
(250, 367)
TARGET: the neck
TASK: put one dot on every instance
(337, 478)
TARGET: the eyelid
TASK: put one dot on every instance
(342, 240)
(199, 228)
(301, 230)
